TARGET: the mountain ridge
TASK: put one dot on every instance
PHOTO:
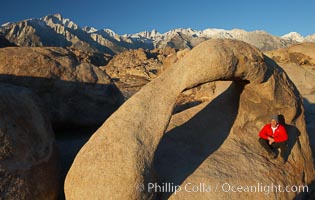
(55, 30)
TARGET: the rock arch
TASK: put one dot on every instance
(118, 158)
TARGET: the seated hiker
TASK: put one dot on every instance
(274, 136)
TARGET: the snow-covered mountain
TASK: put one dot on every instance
(55, 30)
(294, 36)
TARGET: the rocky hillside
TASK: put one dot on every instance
(74, 92)
(55, 30)
(301, 54)
(132, 69)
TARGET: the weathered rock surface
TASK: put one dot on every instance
(28, 164)
(215, 144)
(75, 93)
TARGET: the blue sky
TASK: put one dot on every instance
(131, 16)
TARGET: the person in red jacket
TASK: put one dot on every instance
(273, 136)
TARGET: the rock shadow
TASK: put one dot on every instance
(71, 104)
(310, 122)
(293, 136)
(183, 149)
(185, 106)
(307, 192)
(68, 104)
(69, 142)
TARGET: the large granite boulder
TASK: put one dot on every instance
(298, 61)
(28, 162)
(142, 144)
(74, 92)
